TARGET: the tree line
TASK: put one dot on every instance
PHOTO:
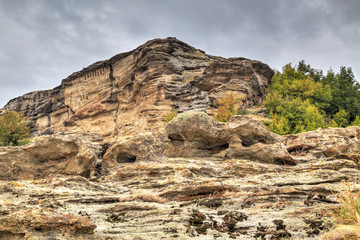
(301, 98)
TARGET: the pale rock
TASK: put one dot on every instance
(58, 154)
(133, 92)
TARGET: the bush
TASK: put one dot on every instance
(341, 118)
(356, 122)
(301, 98)
(228, 107)
(13, 128)
(347, 216)
(170, 116)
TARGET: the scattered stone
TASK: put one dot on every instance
(211, 203)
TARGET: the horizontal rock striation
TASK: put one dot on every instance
(132, 92)
(126, 174)
(194, 179)
(50, 156)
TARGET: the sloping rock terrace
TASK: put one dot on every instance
(195, 179)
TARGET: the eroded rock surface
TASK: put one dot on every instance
(198, 134)
(145, 189)
(59, 154)
(331, 142)
(132, 92)
(127, 175)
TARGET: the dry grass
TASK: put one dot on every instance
(347, 214)
(343, 232)
(145, 196)
(349, 210)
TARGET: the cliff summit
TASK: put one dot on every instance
(132, 92)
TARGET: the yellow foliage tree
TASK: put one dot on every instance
(228, 106)
(13, 128)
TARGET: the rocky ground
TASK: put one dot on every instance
(169, 186)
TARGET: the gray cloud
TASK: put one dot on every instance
(44, 41)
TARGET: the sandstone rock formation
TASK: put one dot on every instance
(197, 134)
(170, 185)
(125, 174)
(332, 142)
(50, 155)
(132, 92)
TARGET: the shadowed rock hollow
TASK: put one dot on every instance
(113, 170)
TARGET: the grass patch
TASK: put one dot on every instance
(23, 142)
(347, 216)
(349, 210)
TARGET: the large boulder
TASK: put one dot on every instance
(37, 223)
(198, 134)
(322, 143)
(141, 147)
(68, 154)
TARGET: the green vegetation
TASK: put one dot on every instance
(14, 129)
(302, 99)
(170, 116)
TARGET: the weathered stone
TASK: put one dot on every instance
(331, 142)
(44, 156)
(197, 134)
(132, 92)
(22, 222)
(146, 146)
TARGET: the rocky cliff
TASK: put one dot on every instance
(107, 167)
(132, 92)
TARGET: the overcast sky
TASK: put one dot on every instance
(44, 41)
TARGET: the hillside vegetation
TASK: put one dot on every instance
(301, 98)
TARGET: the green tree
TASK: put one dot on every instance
(345, 91)
(302, 97)
(279, 125)
(296, 101)
(307, 70)
(13, 128)
(356, 122)
(341, 118)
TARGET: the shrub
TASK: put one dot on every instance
(347, 216)
(13, 128)
(170, 116)
(356, 122)
(228, 107)
(341, 118)
(244, 112)
(279, 125)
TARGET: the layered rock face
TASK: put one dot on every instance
(132, 92)
(194, 179)
(51, 155)
(125, 174)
